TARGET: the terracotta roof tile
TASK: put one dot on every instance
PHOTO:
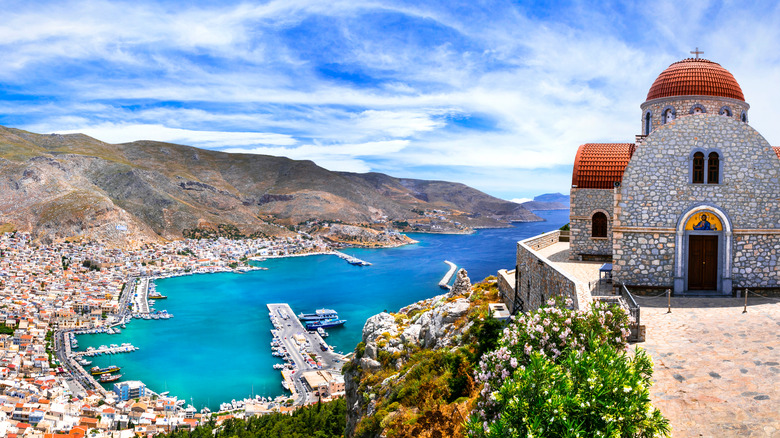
(777, 151)
(695, 77)
(601, 165)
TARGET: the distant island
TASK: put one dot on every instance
(548, 201)
(59, 187)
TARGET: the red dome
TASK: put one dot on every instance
(695, 77)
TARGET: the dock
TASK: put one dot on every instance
(445, 281)
(107, 350)
(351, 260)
(300, 349)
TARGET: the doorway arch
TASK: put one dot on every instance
(697, 243)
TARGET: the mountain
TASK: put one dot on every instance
(537, 205)
(74, 186)
(553, 197)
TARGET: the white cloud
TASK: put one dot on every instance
(520, 200)
(118, 133)
(242, 77)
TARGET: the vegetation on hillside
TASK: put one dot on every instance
(321, 420)
(433, 392)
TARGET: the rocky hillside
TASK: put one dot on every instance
(412, 373)
(74, 186)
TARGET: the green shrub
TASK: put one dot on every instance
(561, 372)
(598, 392)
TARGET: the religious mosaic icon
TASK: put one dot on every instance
(705, 221)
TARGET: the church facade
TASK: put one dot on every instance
(692, 204)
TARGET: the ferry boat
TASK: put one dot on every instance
(319, 315)
(96, 371)
(325, 323)
(109, 377)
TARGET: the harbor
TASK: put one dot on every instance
(445, 281)
(302, 350)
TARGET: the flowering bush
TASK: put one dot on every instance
(560, 372)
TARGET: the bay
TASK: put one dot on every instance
(216, 348)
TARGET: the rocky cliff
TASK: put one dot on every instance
(74, 186)
(411, 374)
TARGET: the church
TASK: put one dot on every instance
(692, 204)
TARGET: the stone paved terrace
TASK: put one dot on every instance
(585, 272)
(716, 370)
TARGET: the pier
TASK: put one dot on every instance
(301, 349)
(445, 281)
(106, 350)
(351, 260)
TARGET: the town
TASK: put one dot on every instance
(51, 292)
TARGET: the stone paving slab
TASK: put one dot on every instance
(716, 370)
(584, 272)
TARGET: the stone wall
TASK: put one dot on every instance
(584, 203)
(540, 280)
(683, 106)
(650, 247)
(644, 259)
(756, 260)
(506, 288)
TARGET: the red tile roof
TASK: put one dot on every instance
(695, 77)
(777, 151)
(601, 165)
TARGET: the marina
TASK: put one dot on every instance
(113, 349)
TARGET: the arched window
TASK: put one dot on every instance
(648, 120)
(668, 115)
(698, 168)
(713, 168)
(744, 117)
(725, 111)
(698, 109)
(599, 225)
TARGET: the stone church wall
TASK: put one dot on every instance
(756, 260)
(644, 259)
(584, 203)
(657, 191)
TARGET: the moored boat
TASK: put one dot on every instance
(335, 322)
(109, 377)
(318, 315)
(96, 371)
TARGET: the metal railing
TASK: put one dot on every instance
(633, 311)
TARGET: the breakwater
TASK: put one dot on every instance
(445, 281)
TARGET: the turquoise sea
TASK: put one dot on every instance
(216, 348)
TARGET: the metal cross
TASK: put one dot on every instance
(697, 53)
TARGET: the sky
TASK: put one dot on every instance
(494, 94)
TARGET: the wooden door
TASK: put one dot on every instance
(703, 263)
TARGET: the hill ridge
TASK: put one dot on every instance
(74, 186)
